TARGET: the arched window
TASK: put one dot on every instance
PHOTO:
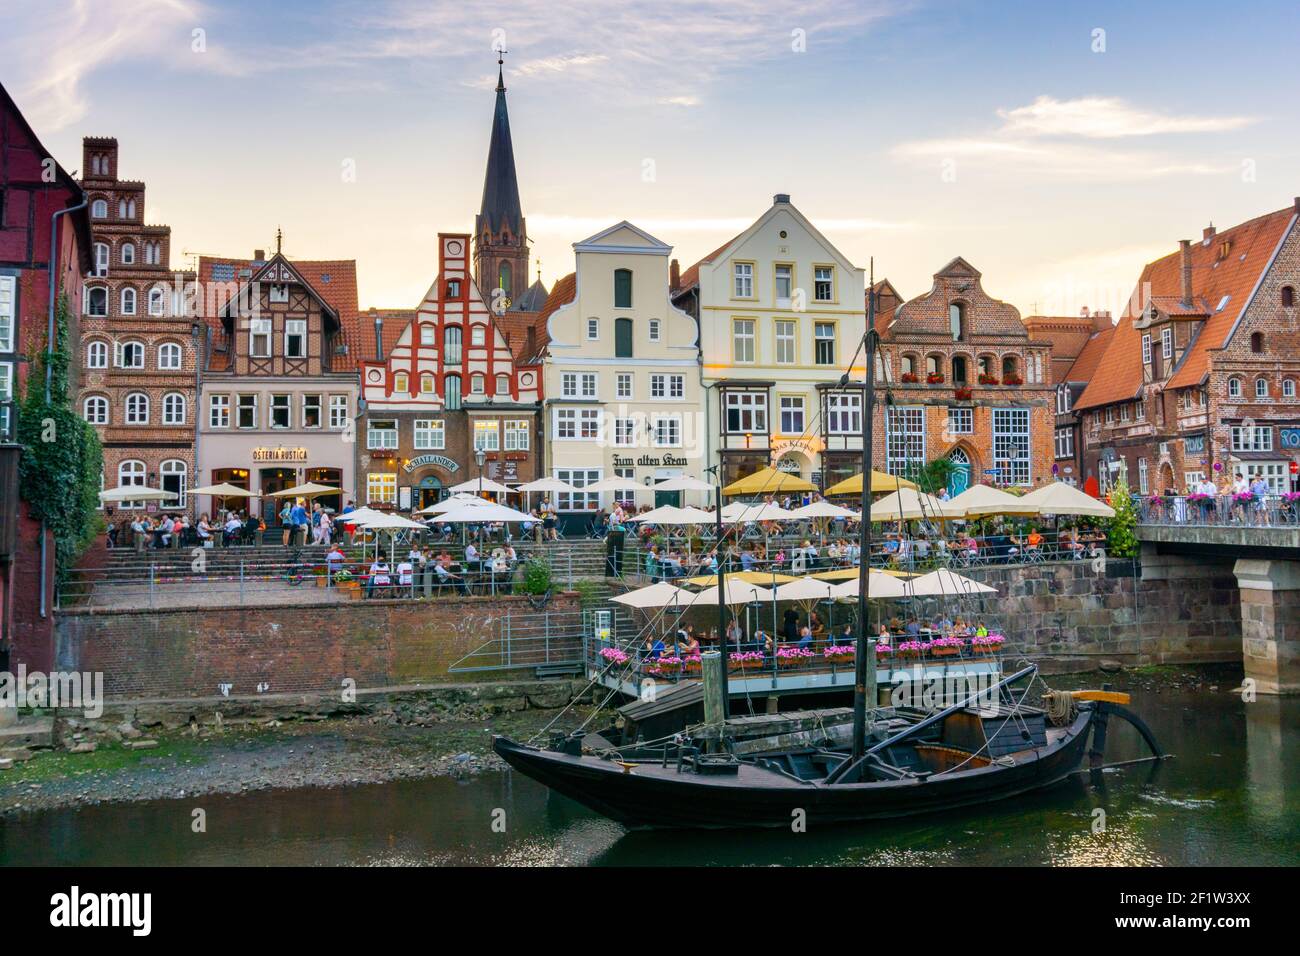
(169, 356)
(932, 364)
(1009, 366)
(99, 209)
(173, 474)
(130, 354)
(137, 409)
(157, 300)
(986, 366)
(1257, 341)
(503, 278)
(426, 384)
(908, 365)
(1288, 296)
(101, 259)
(476, 384)
(959, 372)
(401, 383)
(1288, 388)
(957, 320)
(128, 301)
(97, 354)
(95, 410)
(173, 409)
(130, 473)
(128, 253)
(451, 342)
(622, 338)
(451, 392)
(622, 288)
(1261, 388)
(1234, 388)
(152, 253)
(503, 384)
(478, 335)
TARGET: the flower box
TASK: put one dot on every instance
(613, 655)
(934, 378)
(988, 380)
(1013, 380)
(838, 653)
(909, 378)
(964, 394)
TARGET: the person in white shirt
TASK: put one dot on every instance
(405, 574)
(379, 577)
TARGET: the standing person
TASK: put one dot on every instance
(349, 529)
(790, 624)
(315, 523)
(298, 518)
(286, 521)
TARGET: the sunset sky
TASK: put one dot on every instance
(1055, 158)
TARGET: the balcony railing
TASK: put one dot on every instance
(1221, 510)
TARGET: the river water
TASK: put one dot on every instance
(1230, 796)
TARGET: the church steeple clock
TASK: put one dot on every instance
(500, 235)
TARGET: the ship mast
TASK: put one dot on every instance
(864, 658)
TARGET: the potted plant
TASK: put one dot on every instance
(613, 655)
(946, 646)
(665, 666)
(793, 656)
(986, 379)
(909, 378)
(692, 663)
(838, 653)
(934, 378)
(911, 650)
(987, 644)
(536, 583)
(1290, 504)
(744, 659)
(964, 393)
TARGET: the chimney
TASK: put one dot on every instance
(259, 255)
(530, 342)
(781, 199)
(1207, 233)
(1297, 205)
(1083, 313)
(1101, 320)
(379, 337)
(1185, 256)
(674, 275)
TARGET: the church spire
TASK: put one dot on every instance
(500, 208)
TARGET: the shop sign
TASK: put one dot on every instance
(503, 470)
(809, 446)
(279, 454)
(1289, 437)
(442, 461)
(649, 461)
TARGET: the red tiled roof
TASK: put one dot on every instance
(691, 276)
(395, 323)
(1068, 335)
(1085, 365)
(562, 293)
(514, 326)
(1250, 248)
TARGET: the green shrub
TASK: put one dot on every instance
(537, 576)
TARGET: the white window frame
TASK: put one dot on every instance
(1167, 343)
(905, 438)
(578, 478)
(157, 301)
(1146, 348)
(786, 345)
(820, 339)
(742, 280)
(8, 311)
(137, 409)
(171, 401)
(241, 407)
(653, 326)
(751, 405)
(624, 386)
(135, 347)
(788, 408)
(295, 329)
(100, 403)
(844, 413)
(338, 411)
(487, 434)
(1010, 430)
(259, 330)
(828, 279)
(593, 330)
(218, 411)
(176, 353)
(518, 434)
(961, 420)
(382, 439)
(667, 431)
(744, 346)
(96, 354)
(381, 487)
(430, 434)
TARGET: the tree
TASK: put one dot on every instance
(1121, 535)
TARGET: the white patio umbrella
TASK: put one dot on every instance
(762, 512)
(879, 586)
(308, 490)
(548, 484)
(682, 483)
(455, 501)
(483, 514)
(1058, 498)
(823, 509)
(662, 594)
(136, 493)
(909, 504)
(805, 589)
(980, 500)
(613, 484)
(945, 583)
(672, 515)
(475, 485)
(379, 521)
(737, 592)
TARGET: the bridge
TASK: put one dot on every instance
(1258, 543)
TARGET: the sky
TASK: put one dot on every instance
(1056, 146)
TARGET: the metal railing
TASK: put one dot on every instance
(547, 642)
(1221, 510)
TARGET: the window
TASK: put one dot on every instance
(280, 411)
(624, 432)
(504, 275)
(1252, 438)
(6, 395)
(381, 434)
(97, 355)
(1261, 388)
(907, 364)
(169, 356)
(96, 300)
(1011, 445)
(451, 345)
(451, 392)
(622, 338)
(1274, 472)
(784, 283)
(1140, 410)
(259, 338)
(742, 338)
(824, 343)
(668, 431)
(487, 435)
(130, 355)
(101, 259)
(152, 253)
(1288, 388)
(427, 384)
(295, 338)
(1124, 412)
(477, 384)
(904, 439)
(844, 413)
(517, 432)
(792, 414)
(823, 284)
(174, 474)
(128, 253)
(338, 411)
(1144, 481)
(311, 411)
(427, 333)
(746, 412)
(1166, 343)
(1063, 399)
(401, 383)
(1009, 369)
(1288, 296)
(453, 285)
(1065, 443)
(654, 330)
(957, 320)
(95, 410)
(137, 409)
(1257, 342)
(381, 488)
(173, 409)
(575, 424)
(785, 341)
(593, 330)
(742, 286)
(127, 302)
(578, 385)
(578, 478)
(126, 209)
(1234, 388)
(959, 372)
(99, 209)
(503, 386)
(1146, 349)
(622, 288)
(158, 304)
(623, 385)
(961, 421)
(672, 387)
(279, 292)
(218, 411)
(430, 434)
(478, 335)
(131, 474)
(246, 411)
(8, 286)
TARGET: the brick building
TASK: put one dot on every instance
(139, 338)
(966, 383)
(39, 202)
(444, 384)
(1200, 376)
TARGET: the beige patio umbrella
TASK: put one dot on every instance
(136, 493)
(908, 504)
(980, 500)
(945, 583)
(223, 490)
(455, 501)
(737, 592)
(879, 587)
(309, 490)
(1058, 498)
(475, 485)
(662, 594)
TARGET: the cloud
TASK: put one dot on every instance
(1104, 118)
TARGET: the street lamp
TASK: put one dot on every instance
(479, 457)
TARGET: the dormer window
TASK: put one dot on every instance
(1146, 349)
(453, 288)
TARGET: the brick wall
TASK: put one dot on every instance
(303, 649)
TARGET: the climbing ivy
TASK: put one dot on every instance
(59, 472)
(1121, 535)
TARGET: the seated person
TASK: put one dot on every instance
(1035, 540)
(654, 648)
(913, 629)
(805, 636)
(379, 576)
(334, 560)
(446, 578)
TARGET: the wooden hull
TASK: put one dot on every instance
(649, 795)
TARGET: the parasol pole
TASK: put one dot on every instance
(864, 659)
(722, 596)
